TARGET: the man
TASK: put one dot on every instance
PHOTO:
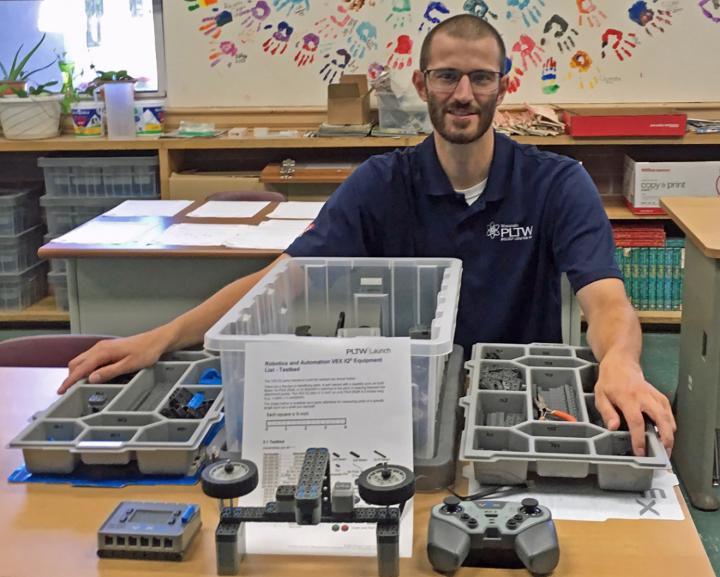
(517, 217)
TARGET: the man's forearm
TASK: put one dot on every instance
(189, 328)
(615, 331)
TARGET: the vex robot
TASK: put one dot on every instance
(311, 501)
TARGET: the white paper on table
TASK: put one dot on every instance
(582, 500)
(229, 209)
(297, 209)
(351, 396)
(186, 234)
(109, 232)
(149, 208)
(278, 234)
(325, 165)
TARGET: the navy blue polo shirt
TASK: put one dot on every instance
(540, 215)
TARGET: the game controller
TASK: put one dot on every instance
(492, 533)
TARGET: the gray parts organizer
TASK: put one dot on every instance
(505, 439)
(159, 417)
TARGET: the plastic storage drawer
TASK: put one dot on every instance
(65, 214)
(17, 253)
(505, 437)
(402, 295)
(19, 290)
(19, 211)
(135, 176)
(161, 418)
(58, 283)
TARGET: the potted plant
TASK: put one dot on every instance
(27, 112)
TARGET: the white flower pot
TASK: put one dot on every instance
(32, 117)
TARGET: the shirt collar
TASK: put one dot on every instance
(433, 181)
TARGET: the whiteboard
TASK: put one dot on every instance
(284, 52)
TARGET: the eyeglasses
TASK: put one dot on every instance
(445, 80)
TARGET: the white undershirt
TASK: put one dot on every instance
(474, 192)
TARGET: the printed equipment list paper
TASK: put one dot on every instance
(351, 396)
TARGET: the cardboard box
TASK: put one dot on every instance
(644, 183)
(606, 123)
(349, 101)
(198, 185)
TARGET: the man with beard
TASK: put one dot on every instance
(517, 217)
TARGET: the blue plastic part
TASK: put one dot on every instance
(196, 400)
(210, 377)
(188, 514)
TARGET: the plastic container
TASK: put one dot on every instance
(120, 109)
(30, 118)
(132, 419)
(125, 176)
(17, 253)
(19, 290)
(505, 439)
(400, 297)
(65, 214)
(19, 211)
(149, 117)
(58, 284)
(393, 114)
(57, 265)
(88, 118)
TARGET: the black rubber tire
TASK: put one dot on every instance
(398, 488)
(229, 478)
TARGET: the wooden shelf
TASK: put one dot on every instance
(660, 317)
(43, 311)
(616, 210)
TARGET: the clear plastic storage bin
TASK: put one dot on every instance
(399, 296)
(58, 282)
(394, 114)
(57, 265)
(19, 211)
(65, 214)
(134, 176)
(19, 290)
(19, 252)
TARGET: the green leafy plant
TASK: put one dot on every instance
(16, 72)
(38, 90)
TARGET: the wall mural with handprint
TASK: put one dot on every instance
(285, 52)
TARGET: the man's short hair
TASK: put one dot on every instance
(467, 27)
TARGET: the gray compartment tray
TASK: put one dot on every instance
(142, 417)
(505, 440)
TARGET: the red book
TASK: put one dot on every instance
(624, 124)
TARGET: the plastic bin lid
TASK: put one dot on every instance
(442, 330)
(89, 201)
(17, 238)
(13, 196)
(98, 161)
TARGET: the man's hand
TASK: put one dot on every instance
(621, 389)
(113, 357)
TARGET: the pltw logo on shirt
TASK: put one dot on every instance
(509, 231)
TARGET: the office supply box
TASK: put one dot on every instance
(349, 101)
(392, 297)
(644, 183)
(609, 123)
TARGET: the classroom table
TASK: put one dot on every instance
(122, 289)
(50, 530)
(697, 408)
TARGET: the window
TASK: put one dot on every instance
(109, 34)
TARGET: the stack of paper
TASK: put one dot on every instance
(535, 120)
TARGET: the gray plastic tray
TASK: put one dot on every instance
(505, 440)
(122, 421)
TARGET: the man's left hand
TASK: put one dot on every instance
(621, 389)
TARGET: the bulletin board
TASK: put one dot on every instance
(283, 53)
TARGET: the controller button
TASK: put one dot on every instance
(511, 524)
(472, 523)
(530, 506)
(464, 516)
(519, 518)
(451, 504)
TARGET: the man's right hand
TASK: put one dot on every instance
(110, 358)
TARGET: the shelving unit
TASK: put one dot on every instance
(265, 154)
